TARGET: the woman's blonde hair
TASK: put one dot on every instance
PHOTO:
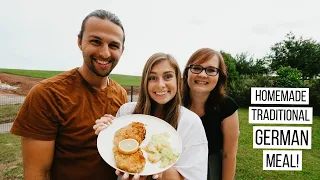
(145, 105)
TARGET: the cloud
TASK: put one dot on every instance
(43, 34)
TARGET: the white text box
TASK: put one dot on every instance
(282, 137)
(284, 160)
(280, 115)
(279, 95)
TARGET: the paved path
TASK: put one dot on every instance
(11, 99)
(5, 128)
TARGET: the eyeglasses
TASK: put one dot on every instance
(210, 71)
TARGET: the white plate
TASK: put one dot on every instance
(153, 124)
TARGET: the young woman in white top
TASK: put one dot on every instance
(160, 96)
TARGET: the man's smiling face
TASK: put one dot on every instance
(101, 45)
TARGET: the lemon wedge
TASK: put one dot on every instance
(128, 146)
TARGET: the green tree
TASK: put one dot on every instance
(243, 64)
(233, 75)
(260, 67)
(314, 88)
(289, 77)
(246, 65)
(303, 54)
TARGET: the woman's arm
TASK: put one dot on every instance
(230, 131)
(171, 174)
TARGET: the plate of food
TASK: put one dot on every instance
(139, 143)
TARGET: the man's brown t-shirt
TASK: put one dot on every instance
(64, 108)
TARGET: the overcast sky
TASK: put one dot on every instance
(39, 34)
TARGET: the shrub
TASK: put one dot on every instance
(289, 77)
(240, 90)
(314, 96)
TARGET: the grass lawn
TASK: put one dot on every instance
(10, 157)
(249, 160)
(8, 112)
(124, 80)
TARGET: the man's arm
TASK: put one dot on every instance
(37, 158)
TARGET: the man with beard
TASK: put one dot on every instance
(56, 118)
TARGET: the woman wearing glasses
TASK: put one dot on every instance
(204, 78)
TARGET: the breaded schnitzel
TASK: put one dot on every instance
(135, 162)
(134, 130)
(129, 162)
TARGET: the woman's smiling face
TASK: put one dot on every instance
(162, 82)
(203, 83)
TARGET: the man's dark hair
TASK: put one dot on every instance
(102, 14)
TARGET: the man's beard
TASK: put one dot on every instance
(95, 71)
